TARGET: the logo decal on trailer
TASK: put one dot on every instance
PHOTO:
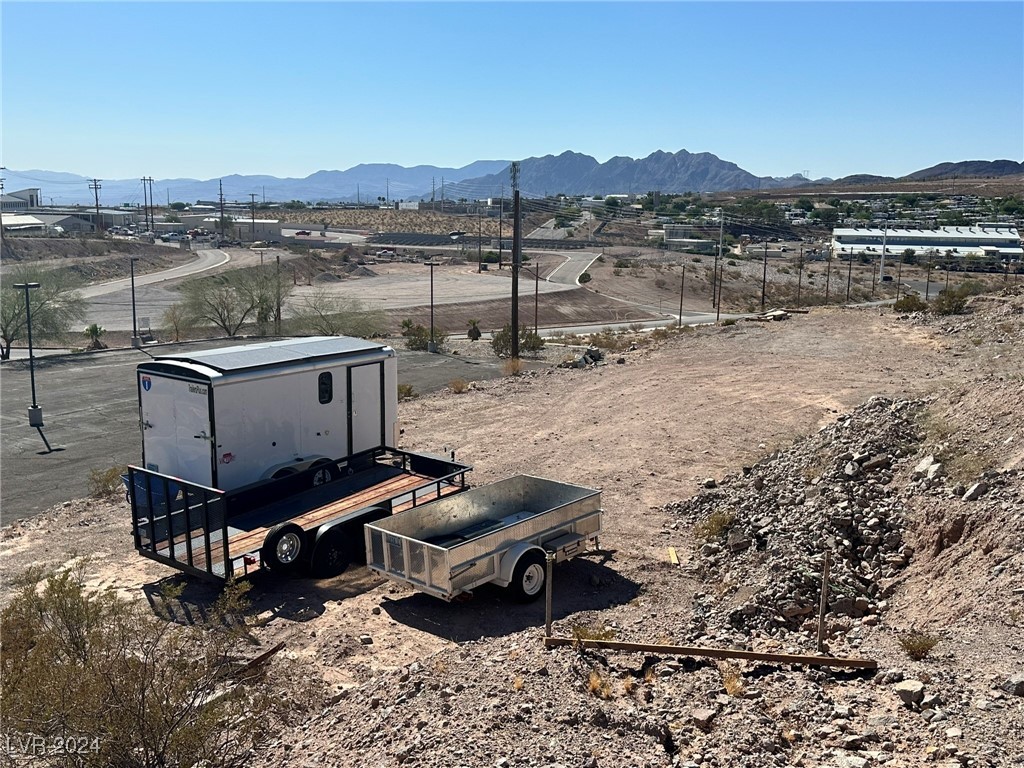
(147, 383)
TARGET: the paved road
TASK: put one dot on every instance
(90, 409)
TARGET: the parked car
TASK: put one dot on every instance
(171, 237)
(302, 233)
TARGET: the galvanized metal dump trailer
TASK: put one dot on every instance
(499, 533)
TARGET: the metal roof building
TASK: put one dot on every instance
(1001, 242)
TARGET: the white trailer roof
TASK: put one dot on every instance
(276, 353)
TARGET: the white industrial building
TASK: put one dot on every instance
(47, 224)
(1000, 242)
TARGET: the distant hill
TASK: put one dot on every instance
(570, 173)
(988, 168)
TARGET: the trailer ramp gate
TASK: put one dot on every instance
(179, 523)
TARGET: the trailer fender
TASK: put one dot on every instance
(332, 551)
(511, 558)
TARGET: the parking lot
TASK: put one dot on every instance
(90, 409)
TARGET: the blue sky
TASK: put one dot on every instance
(201, 90)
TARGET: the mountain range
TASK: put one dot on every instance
(570, 173)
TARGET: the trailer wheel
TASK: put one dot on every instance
(528, 577)
(283, 546)
(331, 552)
(357, 540)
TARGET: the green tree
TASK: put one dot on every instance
(177, 320)
(326, 314)
(55, 304)
(417, 337)
(178, 206)
(229, 301)
(805, 204)
(142, 691)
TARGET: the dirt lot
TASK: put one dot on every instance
(469, 683)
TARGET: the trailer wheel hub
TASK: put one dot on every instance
(288, 548)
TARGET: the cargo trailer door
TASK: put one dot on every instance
(366, 407)
(176, 430)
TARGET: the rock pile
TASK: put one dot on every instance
(771, 526)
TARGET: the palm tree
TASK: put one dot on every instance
(94, 332)
(474, 330)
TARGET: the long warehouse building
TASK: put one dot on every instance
(990, 242)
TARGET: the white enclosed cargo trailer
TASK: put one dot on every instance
(224, 418)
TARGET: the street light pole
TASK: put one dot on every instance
(432, 345)
(135, 326)
(35, 413)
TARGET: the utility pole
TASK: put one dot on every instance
(387, 191)
(479, 241)
(682, 290)
(95, 186)
(433, 190)
(442, 194)
(516, 258)
(277, 314)
(764, 274)
(145, 204)
(152, 204)
(220, 194)
(828, 275)
(501, 216)
(885, 231)
(718, 256)
(849, 276)
(252, 210)
(799, 274)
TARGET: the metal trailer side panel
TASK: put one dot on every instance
(454, 544)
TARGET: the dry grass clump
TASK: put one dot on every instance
(917, 645)
(517, 683)
(458, 386)
(106, 482)
(732, 680)
(406, 392)
(512, 367)
(592, 632)
(716, 526)
(599, 685)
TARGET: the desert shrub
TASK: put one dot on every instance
(406, 392)
(659, 334)
(660, 283)
(585, 278)
(917, 645)
(458, 386)
(622, 264)
(473, 334)
(417, 337)
(910, 303)
(716, 526)
(730, 321)
(106, 482)
(530, 343)
(950, 302)
(141, 691)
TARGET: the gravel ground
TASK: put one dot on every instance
(894, 443)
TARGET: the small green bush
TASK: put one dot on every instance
(951, 302)
(529, 342)
(910, 303)
(585, 278)
(406, 392)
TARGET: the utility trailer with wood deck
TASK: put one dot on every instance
(288, 524)
(499, 533)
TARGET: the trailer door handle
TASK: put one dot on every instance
(146, 424)
(202, 436)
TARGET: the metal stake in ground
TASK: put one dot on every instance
(764, 274)
(823, 604)
(682, 289)
(549, 565)
(849, 277)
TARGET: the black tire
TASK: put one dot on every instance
(357, 540)
(284, 548)
(528, 577)
(331, 553)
